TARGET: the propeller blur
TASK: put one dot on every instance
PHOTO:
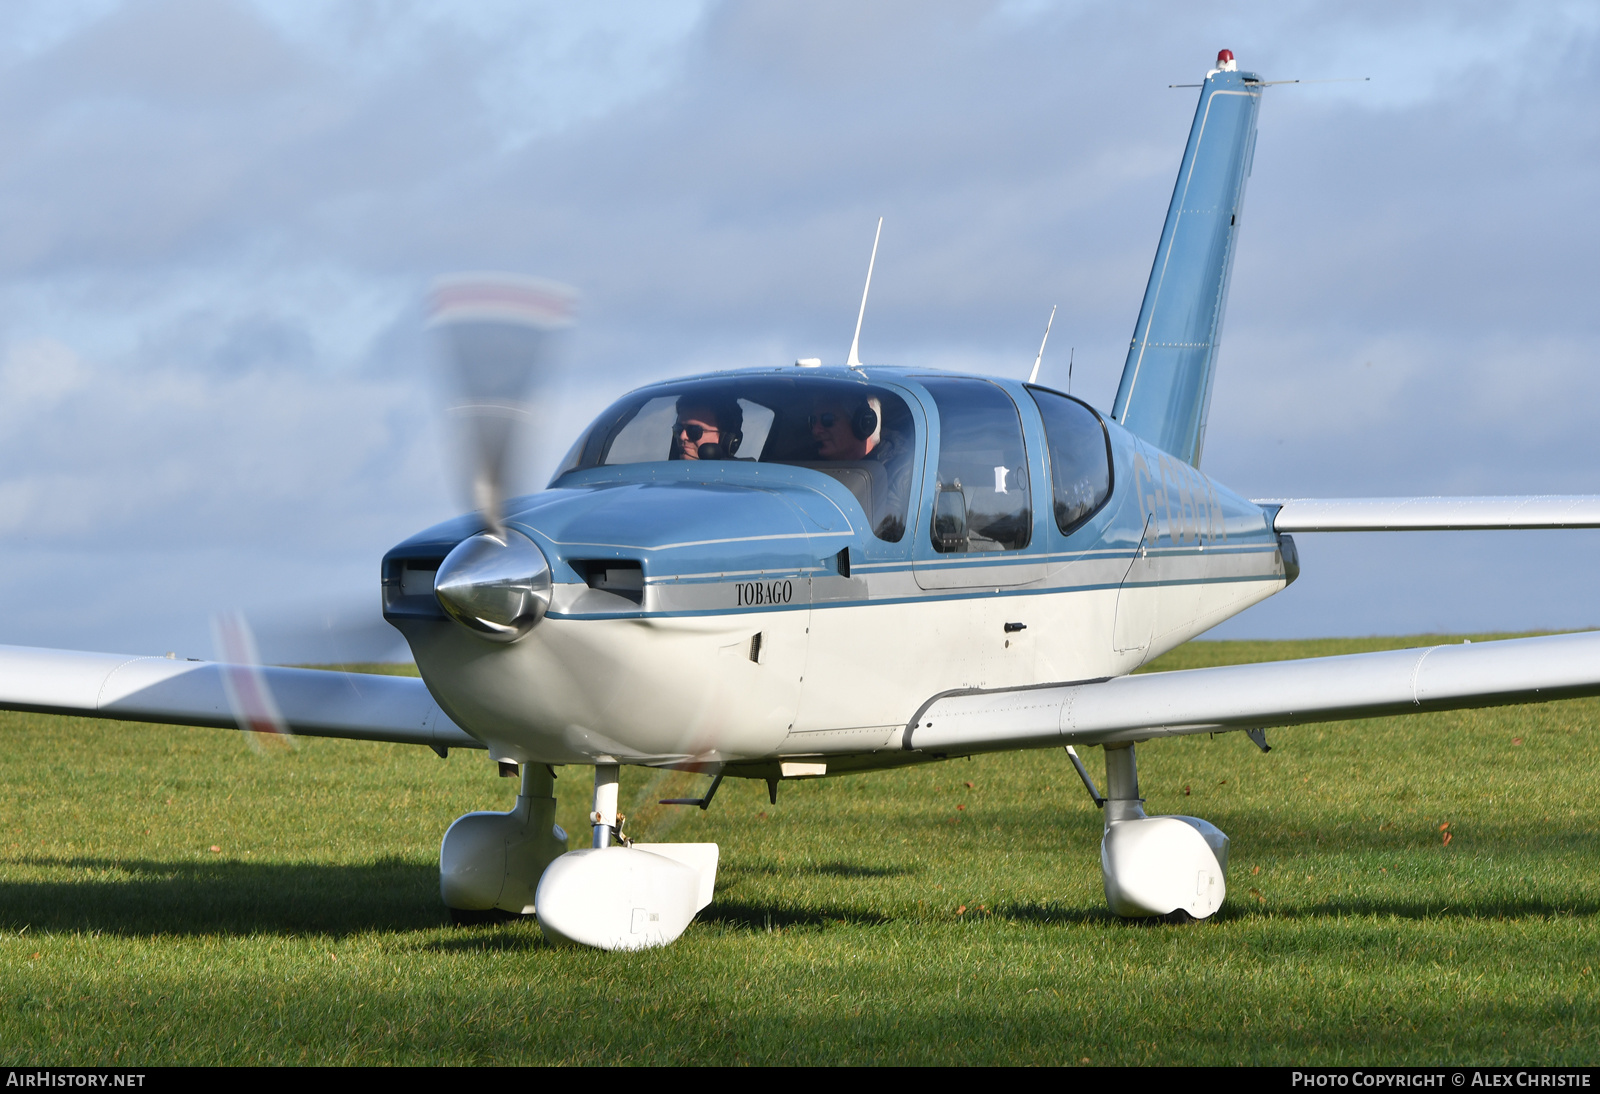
(790, 572)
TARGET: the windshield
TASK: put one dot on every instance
(861, 435)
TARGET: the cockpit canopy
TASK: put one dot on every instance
(857, 433)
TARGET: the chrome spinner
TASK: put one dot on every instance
(496, 584)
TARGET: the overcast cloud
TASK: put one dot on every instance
(219, 218)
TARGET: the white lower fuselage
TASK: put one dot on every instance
(823, 679)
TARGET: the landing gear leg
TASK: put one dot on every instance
(1156, 866)
(1123, 802)
(604, 817)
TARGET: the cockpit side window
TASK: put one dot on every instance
(983, 501)
(1080, 457)
(858, 434)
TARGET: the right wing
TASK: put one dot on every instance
(314, 703)
(1432, 514)
(1273, 693)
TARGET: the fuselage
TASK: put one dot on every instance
(748, 610)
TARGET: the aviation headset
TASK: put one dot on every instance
(732, 439)
(733, 435)
(864, 422)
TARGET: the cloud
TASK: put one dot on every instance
(220, 218)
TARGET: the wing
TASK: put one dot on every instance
(1275, 693)
(1432, 514)
(313, 703)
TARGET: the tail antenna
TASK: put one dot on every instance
(1033, 377)
(855, 343)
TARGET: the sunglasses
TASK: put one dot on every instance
(826, 420)
(694, 432)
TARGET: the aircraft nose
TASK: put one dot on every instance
(495, 584)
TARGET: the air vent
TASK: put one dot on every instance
(620, 577)
(408, 587)
(416, 577)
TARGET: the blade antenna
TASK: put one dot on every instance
(1033, 377)
(855, 343)
(1071, 356)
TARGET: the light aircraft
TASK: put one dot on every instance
(793, 572)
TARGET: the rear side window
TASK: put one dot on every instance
(1080, 457)
(983, 492)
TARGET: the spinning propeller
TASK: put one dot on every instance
(245, 684)
(497, 338)
(497, 335)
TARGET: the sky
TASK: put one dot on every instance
(218, 221)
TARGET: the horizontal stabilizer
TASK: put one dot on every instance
(1433, 514)
(1274, 693)
(314, 703)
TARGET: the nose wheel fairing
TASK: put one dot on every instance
(626, 898)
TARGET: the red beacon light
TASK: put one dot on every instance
(1225, 61)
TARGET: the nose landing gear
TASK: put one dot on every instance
(620, 895)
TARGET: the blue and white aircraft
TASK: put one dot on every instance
(792, 572)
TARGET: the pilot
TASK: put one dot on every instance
(706, 428)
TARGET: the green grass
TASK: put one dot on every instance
(949, 913)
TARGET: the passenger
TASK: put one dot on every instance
(849, 429)
(846, 430)
(706, 429)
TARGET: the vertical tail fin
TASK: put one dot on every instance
(1166, 384)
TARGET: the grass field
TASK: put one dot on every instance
(169, 897)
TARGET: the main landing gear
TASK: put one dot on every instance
(490, 863)
(615, 895)
(1157, 866)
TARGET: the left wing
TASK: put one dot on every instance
(1274, 693)
(1432, 514)
(313, 702)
